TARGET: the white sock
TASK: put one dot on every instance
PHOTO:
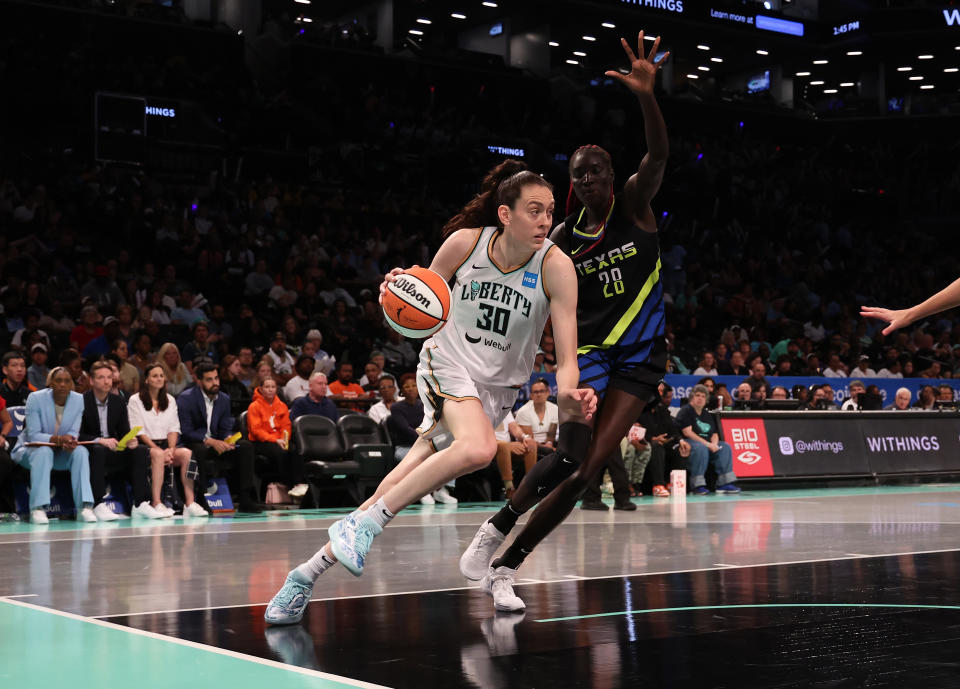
(316, 565)
(379, 513)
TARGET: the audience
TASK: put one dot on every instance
(387, 387)
(299, 385)
(700, 430)
(268, 428)
(316, 401)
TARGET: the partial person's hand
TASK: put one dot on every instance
(529, 444)
(390, 277)
(109, 443)
(133, 444)
(219, 446)
(517, 447)
(896, 319)
(643, 70)
(168, 456)
(660, 439)
(585, 398)
(684, 448)
(68, 442)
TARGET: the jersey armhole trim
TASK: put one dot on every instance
(470, 253)
(543, 280)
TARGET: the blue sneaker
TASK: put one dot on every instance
(730, 489)
(288, 606)
(701, 490)
(350, 540)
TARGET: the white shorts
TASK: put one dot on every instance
(440, 379)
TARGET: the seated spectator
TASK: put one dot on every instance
(405, 417)
(199, 347)
(38, 369)
(102, 290)
(744, 393)
(388, 397)
(268, 428)
(56, 321)
(512, 443)
(263, 371)
(779, 393)
(15, 386)
(784, 366)
(316, 401)
(220, 328)
(370, 382)
(901, 401)
(129, 375)
(258, 283)
(89, 328)
(835, 368)
(206, 423)
(106, 422)
(707, 365)
(7, 464)
(852, 403)
(945, 393)
(668, 449)
(891, 370)
(549, 349)
(282, 360)
(247, 371)
(539, 418)
(399, 353)
(725, 401)
(343, 391)
(143, 354)
(299, 385)
(927, 398)
(100, 345)
(175, 372)
(231, 384)
(187, 311)
(71, 360)
(155, 412)
(324, 362)
(863, 369)
(31, 321)
(829, 397)
(53, 418)
(700, 429)
(124, 314)
(116, 389)
(636, 453)
(757, 378)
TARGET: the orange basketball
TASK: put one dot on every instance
(417, 303)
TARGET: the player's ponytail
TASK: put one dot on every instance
(481, 211)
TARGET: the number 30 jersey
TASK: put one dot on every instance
(620, 295)
(496, 317)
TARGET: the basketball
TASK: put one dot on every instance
(417, 303)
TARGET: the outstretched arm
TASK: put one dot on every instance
(645, 182)
(945, 299)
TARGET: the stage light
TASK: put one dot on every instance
(609, 25)
(847, 83)
(716, 59)
(416, 32)
(589, 38)
(927, 87)
(762, 52)
(803, 74)
(821, 62)
(703, 68)
(829, 90)
(693, 76)
(457, 15)
(924, 57)
(816, 83)
(853, 53)
(703, 47)
(572, 62)
(579, 53)
(421, 20)
(553, 44)
(904, 69)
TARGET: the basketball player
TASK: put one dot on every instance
(613, 243)
(945, 299)
(506, 282)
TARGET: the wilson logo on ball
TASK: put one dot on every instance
(417, 303)
(407, 286)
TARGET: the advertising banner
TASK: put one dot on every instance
(747, 439)
(816, 446)
(920, 443)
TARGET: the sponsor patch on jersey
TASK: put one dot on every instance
(529, 279)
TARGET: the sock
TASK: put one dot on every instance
(506, 518)
(316, 565)
(508, 485)
(379, 513)
(512, 558)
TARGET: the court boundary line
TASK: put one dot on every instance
(717, 567)
(198, 646)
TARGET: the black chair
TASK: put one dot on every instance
(343, 411)
(324, 456)
(242, 425)
(366, 443)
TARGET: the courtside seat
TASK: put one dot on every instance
(319, 442)
(365, 443)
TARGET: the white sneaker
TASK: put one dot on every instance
(38, 516)
(475, 561)
(427, 500)
(498, 583)
(443, 496)
(298, 491)
(86, 515)
(165, 512)
(194, 510)
(146, 511)
(104, 513)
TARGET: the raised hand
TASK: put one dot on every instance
(584, 398)
(896, 319)
(643, 70)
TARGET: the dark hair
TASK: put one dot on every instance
(481, 210)
(10, 356)
(542, 381)
(225, 364)
(203, 368)
(198, 324)
(115, 345)
(407, 376)
(68, 356)
(512, 187)
(162, 401)
(305, 357)
(97, 366)
(387, 377)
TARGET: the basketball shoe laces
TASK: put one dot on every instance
(501, 586)
(293, 592)
(363, 540)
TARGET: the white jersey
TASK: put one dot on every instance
(496, 318)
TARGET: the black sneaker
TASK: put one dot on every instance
(626, 506)
(593, 505)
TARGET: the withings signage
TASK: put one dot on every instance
(801, 447)
(667, 5)
(952, 17)
(921, 444)
(155, 111)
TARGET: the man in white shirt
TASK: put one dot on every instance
(539, 417)
(863, 369)
(299, 385)
(835, 368)
(283, 362)
(388, 395)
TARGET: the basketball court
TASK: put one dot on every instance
(792, 588)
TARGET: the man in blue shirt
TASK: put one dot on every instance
(699, 427)
(316, 401)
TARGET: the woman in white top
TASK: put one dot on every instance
(174, 370)
(156, 413)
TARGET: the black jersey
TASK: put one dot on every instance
(620, 300)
